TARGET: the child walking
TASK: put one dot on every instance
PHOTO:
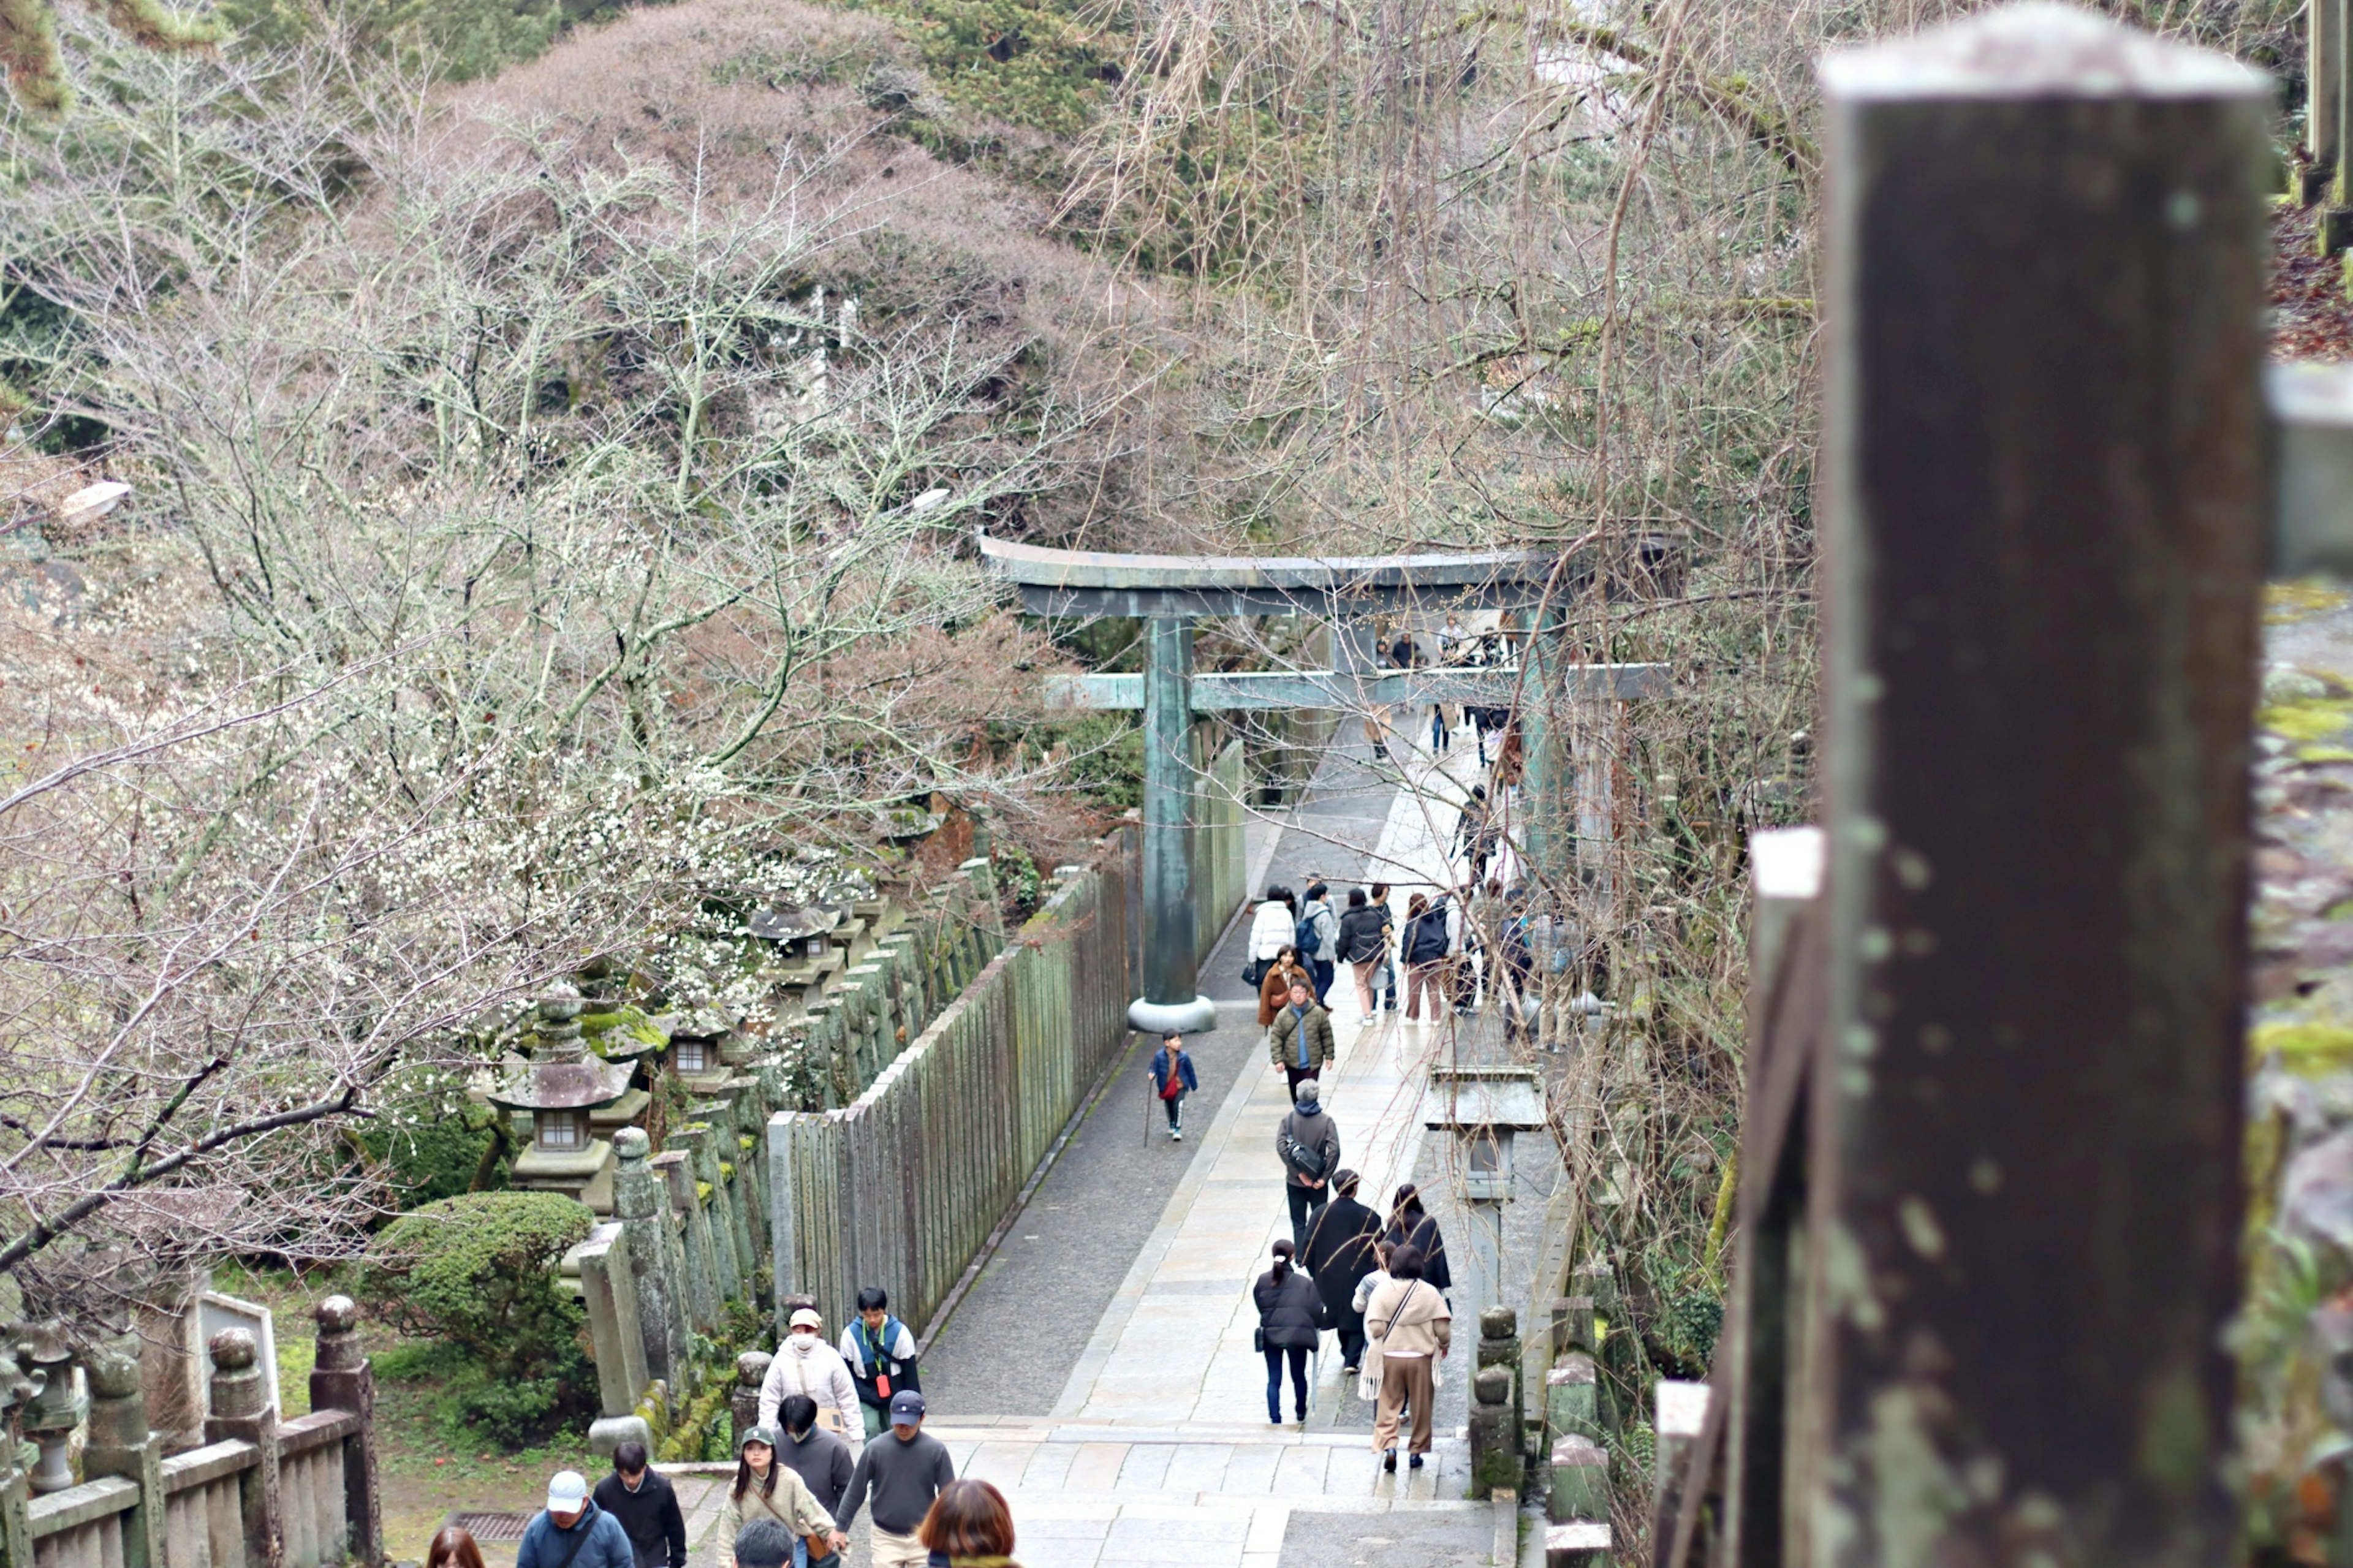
(1172, 1080)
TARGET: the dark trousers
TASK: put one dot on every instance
(1323, 969)
(1301, 1075)
(1304, 1202)
(1175, 1105)
(1298, 1354)
(1352, 1345)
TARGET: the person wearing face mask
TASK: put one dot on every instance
(805, 1365)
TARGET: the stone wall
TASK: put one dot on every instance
(902, 1188)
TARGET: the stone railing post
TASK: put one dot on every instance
(241, 1411)
(120, 1444)
(1494, 1456)
(15, 1486)
(743, 1399)
(340, 1379)
(51, 1415)
(1498, 1463)
(701, 1295)
(653, 1258)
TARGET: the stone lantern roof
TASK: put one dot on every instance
(562, 1075)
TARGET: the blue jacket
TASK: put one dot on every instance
(1184, 1070)
(607, 1544)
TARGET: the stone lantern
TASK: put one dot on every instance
(1485, 1108)
(55, 1409)
(560, 1086)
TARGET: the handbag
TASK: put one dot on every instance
(1258, 1339)
(1254, 972)
(1176, 1084)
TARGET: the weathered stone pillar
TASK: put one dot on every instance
(120, 1444)
(2044, 523)
(340, 1379)
(702, 1296)
(743, 1399)
(52, 1413)
(241, 1411)
(654, 1265)
(1494, 1448)
(1499, 1350)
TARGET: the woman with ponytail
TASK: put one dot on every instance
(1288, 1325)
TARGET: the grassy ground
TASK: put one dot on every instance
(425, 1476)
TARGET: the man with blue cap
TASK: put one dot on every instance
(906, 1471)
(573, 1532)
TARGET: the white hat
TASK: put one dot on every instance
(568, 1492)
(805, 1318)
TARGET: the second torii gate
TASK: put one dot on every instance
(1168, 593)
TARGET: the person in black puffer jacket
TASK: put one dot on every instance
(1287, 1325)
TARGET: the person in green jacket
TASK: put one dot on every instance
(1299, 1041)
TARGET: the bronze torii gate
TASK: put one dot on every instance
(1169, 591)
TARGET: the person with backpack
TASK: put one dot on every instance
(1415, 1327)
(1275, 989)
(1172, 1079)
(1299, 1041)
(1317, 937)
(880, 1352)
(1287, 1329)
(1429, 942)
(1308, 1144)
(1272, 925)
(1362, 947)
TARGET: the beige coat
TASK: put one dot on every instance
(792, 1505)
(1409, 1317)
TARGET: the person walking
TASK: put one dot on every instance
(805, 1363)
(1308, 1144)
(1318, 941)
(1287, 1308)
(1411, 1226)
(1172, 1079)
(1474, 835)
(1385, 985)
(1339, 1253)
(970, 1525)
(880, 1352)
(1428, 944)
(647, 1505)
(1513, 974)
(572, 1531)
(1271, 924)
(904, 1470)
(453, 1546)
(1274, 989)
(765, 1489)
(1299, 1041)
(1368, 1376)
(1415, 1328)
(1362, 947)
(822, 1460)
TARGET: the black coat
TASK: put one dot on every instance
(1360, 935)
(656, 1527)
(1339, 1254)
(1286, 1311)
(1424, 1235)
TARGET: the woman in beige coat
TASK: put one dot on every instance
(1414, 1327)
(767, 1490)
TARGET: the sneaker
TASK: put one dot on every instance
(1389, 1460)
(1176, 1135)
(1415, 1462)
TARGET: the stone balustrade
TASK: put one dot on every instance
(262, 1492)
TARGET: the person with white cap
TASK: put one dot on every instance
(906, 1471)
(765, 1489)
(573, 1532)
(805, 1363)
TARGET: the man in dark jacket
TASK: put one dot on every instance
(1308, 1144)
(1299, 1041)
(906, 1471)
(1339, 1254)
(646, 1505)
(573, 1532)
(821, 1459)
(1363, 945)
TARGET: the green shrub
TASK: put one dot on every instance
(478, 1273)
(431, 1139)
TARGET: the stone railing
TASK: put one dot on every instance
(1219, 866)
(902, 1188)
(260, 1492)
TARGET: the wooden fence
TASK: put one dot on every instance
(902, 1188)
(260, 1493)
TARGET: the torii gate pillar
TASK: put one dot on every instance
(1171, 998)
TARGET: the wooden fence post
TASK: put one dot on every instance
(2045, 523)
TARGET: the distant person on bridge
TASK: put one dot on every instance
(1318, 940)
(1308, 1144)
(1363, 931)
(765, 1489)
(905, 1471)
(1339, 1252)
(805, 1363)
(1274, 990)
(1271, 924)
(822, 1460)
(1172, 1079)
(1415, 1327)
(1287, 1308)
(1299, 1041)
(880, 1352)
